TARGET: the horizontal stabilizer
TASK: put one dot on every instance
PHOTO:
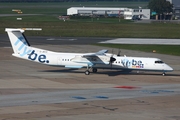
(14, 30)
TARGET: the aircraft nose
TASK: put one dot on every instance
(168, 68)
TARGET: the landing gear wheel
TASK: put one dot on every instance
(164, 74)
(87, 72)
(94, 70)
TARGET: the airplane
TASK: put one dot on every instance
(90, 61)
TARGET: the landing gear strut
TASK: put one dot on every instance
(87, 72)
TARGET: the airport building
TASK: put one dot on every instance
(127, 13)
(137, 13)
(88, 11)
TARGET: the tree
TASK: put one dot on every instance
(161, 7)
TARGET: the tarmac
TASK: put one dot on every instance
(32, 91)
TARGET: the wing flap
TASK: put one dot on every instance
(92, 58)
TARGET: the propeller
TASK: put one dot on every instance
(119, 51)
(112, 59)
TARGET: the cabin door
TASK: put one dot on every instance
(59, 61)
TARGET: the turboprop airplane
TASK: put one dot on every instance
(91, 61)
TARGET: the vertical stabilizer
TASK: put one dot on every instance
(18, 41)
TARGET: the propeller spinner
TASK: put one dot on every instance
(112, 59)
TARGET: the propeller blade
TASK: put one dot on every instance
(119, 51)
(112, 59)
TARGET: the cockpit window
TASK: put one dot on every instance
(159, 62)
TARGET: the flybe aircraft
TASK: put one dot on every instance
(90, 61)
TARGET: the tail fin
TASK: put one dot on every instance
(18, 41)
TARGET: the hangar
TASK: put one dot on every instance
(127, 13)
(87, 11)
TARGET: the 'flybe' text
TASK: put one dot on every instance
(25, 50)
(137, 64)
(132, 63)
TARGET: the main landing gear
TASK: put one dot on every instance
(87, 72)
(94, 70)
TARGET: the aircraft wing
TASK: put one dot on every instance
(93, 58)
(101, 52)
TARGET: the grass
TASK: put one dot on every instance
(77, 4)
(162, 49)
(109, 27)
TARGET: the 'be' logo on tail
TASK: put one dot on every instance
(41, 58)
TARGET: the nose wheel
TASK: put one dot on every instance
(164, 74)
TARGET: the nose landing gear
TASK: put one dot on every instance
(164, 74)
